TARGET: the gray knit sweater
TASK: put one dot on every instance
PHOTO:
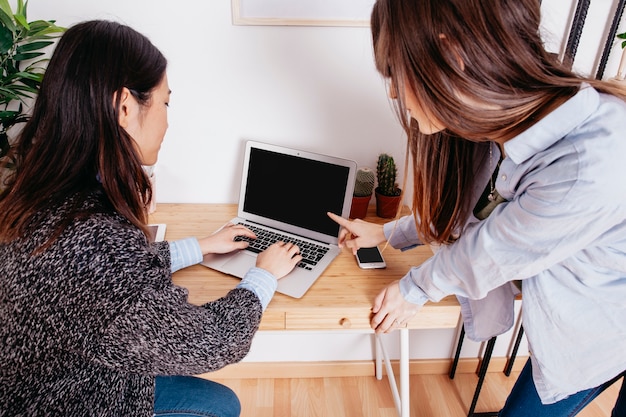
(87, 324)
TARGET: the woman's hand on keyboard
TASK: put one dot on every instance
(279, 259)
(223, 241)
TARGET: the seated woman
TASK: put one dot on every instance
(91, 322)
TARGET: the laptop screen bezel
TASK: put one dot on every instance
(286, 227)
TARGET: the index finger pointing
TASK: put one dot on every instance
(338, 219)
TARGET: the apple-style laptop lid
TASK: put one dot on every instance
(289, 192)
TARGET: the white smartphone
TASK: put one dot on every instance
(370, 258)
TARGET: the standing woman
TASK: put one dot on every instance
(519, 169)
(91, 322)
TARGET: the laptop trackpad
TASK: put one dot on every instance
(240, 265)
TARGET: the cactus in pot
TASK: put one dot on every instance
(364, 182)
(388, 194)
(363, 189)
(386, 172)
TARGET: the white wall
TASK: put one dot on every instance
(313, 88)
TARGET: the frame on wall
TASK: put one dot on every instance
(302, 12)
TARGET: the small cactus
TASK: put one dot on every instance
(386, 172)
(364, 183)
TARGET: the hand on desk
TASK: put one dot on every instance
(391, 310)
(356, 234)
(278, 259)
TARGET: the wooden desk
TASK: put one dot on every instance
(340, 299)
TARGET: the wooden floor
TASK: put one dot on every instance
(431, 396)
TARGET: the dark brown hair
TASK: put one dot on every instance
(73, 143)
(480, 68)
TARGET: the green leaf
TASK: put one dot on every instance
(26, 56)
(23, 90)
(26, 75)
(21, 20)
(34, 66)
(34, 84)
(21, 7)
(44, 27)
(33, 46)
(621, 35)
(7, 20)
(8, 93)
(6, 39)
(16, 91)
(56, 31)
(7, 116)
(623, 44)
(6, 7)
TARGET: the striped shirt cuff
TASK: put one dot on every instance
(260, 282)
(184, 253)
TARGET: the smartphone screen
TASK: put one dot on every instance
(370, 258)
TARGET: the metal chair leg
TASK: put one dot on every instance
(509, 363)
(482, 372)
(457, 354)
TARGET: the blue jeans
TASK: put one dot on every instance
(185, 396)
(523, 401)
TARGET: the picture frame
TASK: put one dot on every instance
(302, 12)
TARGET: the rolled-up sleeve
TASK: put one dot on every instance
(184, 253)
(402, 234)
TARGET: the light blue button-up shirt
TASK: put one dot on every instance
(562, 231)
(186, 252)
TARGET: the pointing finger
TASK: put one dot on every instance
(338, 219)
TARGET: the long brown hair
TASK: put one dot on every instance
(73, 143)
(480, 68)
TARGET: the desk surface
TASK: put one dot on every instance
(340, 299)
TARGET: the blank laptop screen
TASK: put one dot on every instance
(295, 190)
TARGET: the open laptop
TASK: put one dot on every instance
(289, 191)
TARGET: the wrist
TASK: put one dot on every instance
(205, 245)
(381, 234)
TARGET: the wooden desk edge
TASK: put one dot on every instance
(312, 312)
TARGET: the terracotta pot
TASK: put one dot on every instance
(387, 206)
(358, 210)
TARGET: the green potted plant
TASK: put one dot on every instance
(363, 190)
(388, 194)
(22, 45)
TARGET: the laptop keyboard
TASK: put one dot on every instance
(311, 252)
